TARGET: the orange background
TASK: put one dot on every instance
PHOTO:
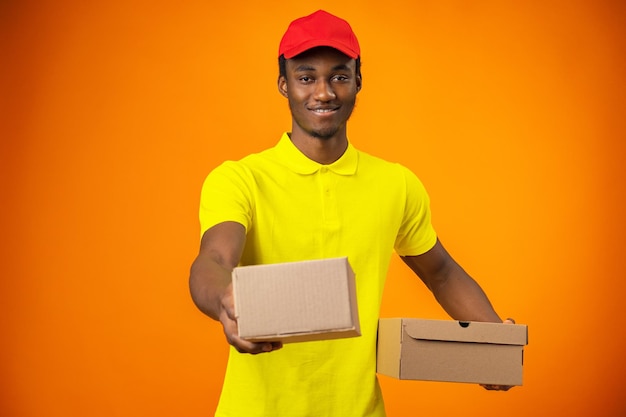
(512, 113)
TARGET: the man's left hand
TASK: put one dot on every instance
(492, 387)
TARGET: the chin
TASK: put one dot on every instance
(323, 134)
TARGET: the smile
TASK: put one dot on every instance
(321, 111)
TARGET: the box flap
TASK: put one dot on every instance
(389, 349)
(470, 332)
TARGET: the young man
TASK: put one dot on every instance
(315, 196)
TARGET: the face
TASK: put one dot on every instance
(321, 85)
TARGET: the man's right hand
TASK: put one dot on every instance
(210, 282)
(229, 323)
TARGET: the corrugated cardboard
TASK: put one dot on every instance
(296, 301)
(452, 351)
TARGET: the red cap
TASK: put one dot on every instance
(319, 29)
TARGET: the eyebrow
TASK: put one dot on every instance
(305, 67)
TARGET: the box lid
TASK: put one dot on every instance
(470, 332)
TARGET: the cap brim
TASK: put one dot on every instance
(314, 43)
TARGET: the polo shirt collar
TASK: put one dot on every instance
(295, 160)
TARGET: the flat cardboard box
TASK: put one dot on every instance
(451, 351)
(296, 301)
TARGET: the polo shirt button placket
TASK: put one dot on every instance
(330, 215)
(324, 171)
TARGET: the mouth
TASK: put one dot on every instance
(324, 110)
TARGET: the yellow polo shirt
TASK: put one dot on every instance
(296, 209)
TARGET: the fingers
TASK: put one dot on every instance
(229, 324)
(266, 347)
(492, 387)
(245, 346)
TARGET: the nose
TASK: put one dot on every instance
(323, 91)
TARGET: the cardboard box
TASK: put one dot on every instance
(296, 301)
(451, 351)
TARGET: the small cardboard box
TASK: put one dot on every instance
(296, 301)
(451, 351)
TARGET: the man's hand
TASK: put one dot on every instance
(210, 282)
(229, 323)
(499, 387)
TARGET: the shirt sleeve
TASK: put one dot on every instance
(226, 196)
(416, 235)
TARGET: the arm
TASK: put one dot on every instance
(459, 295)
(210, 281)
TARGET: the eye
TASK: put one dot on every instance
(341, 78)
(305, 79)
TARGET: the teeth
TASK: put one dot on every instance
(323, 110)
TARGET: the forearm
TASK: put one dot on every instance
(459, 295)
(210, 277)
(462, 298)
(208, 281)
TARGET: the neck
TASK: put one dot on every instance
(321, 150)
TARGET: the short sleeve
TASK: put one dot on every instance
(227, 196)
(416, 235)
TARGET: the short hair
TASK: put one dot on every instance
(282, 66)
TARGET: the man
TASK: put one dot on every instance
(314, 196)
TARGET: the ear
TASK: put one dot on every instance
(282, 86)
(359, 83)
